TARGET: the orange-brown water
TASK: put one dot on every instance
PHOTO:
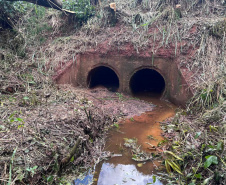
(146, 129)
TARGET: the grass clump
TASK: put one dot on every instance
(199, 131)
(200, 142)
(82, 8)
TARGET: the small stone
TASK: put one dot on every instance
(140, 165)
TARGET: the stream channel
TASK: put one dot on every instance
(121, 169)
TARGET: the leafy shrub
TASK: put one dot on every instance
(11, 11)
(7, 12)
(82, 8)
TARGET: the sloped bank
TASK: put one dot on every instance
(37, 141)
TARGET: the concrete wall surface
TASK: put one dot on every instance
(176, 88)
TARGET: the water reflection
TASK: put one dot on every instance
(111, 174)
(87, 180)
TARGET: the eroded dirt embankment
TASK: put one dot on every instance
(40, 135)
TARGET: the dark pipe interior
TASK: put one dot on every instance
(147, 81)
(103, 76)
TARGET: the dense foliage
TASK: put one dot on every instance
(10, 11)
(82, 8)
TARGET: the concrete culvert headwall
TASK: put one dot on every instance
(103, 76)
(131, 75)
(148, 81)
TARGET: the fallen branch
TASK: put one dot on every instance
(72, 153)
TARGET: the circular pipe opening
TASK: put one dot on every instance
(147, 81)
(103, 76)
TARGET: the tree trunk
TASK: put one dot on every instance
(56, 4)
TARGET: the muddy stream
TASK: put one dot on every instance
(121, 168)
